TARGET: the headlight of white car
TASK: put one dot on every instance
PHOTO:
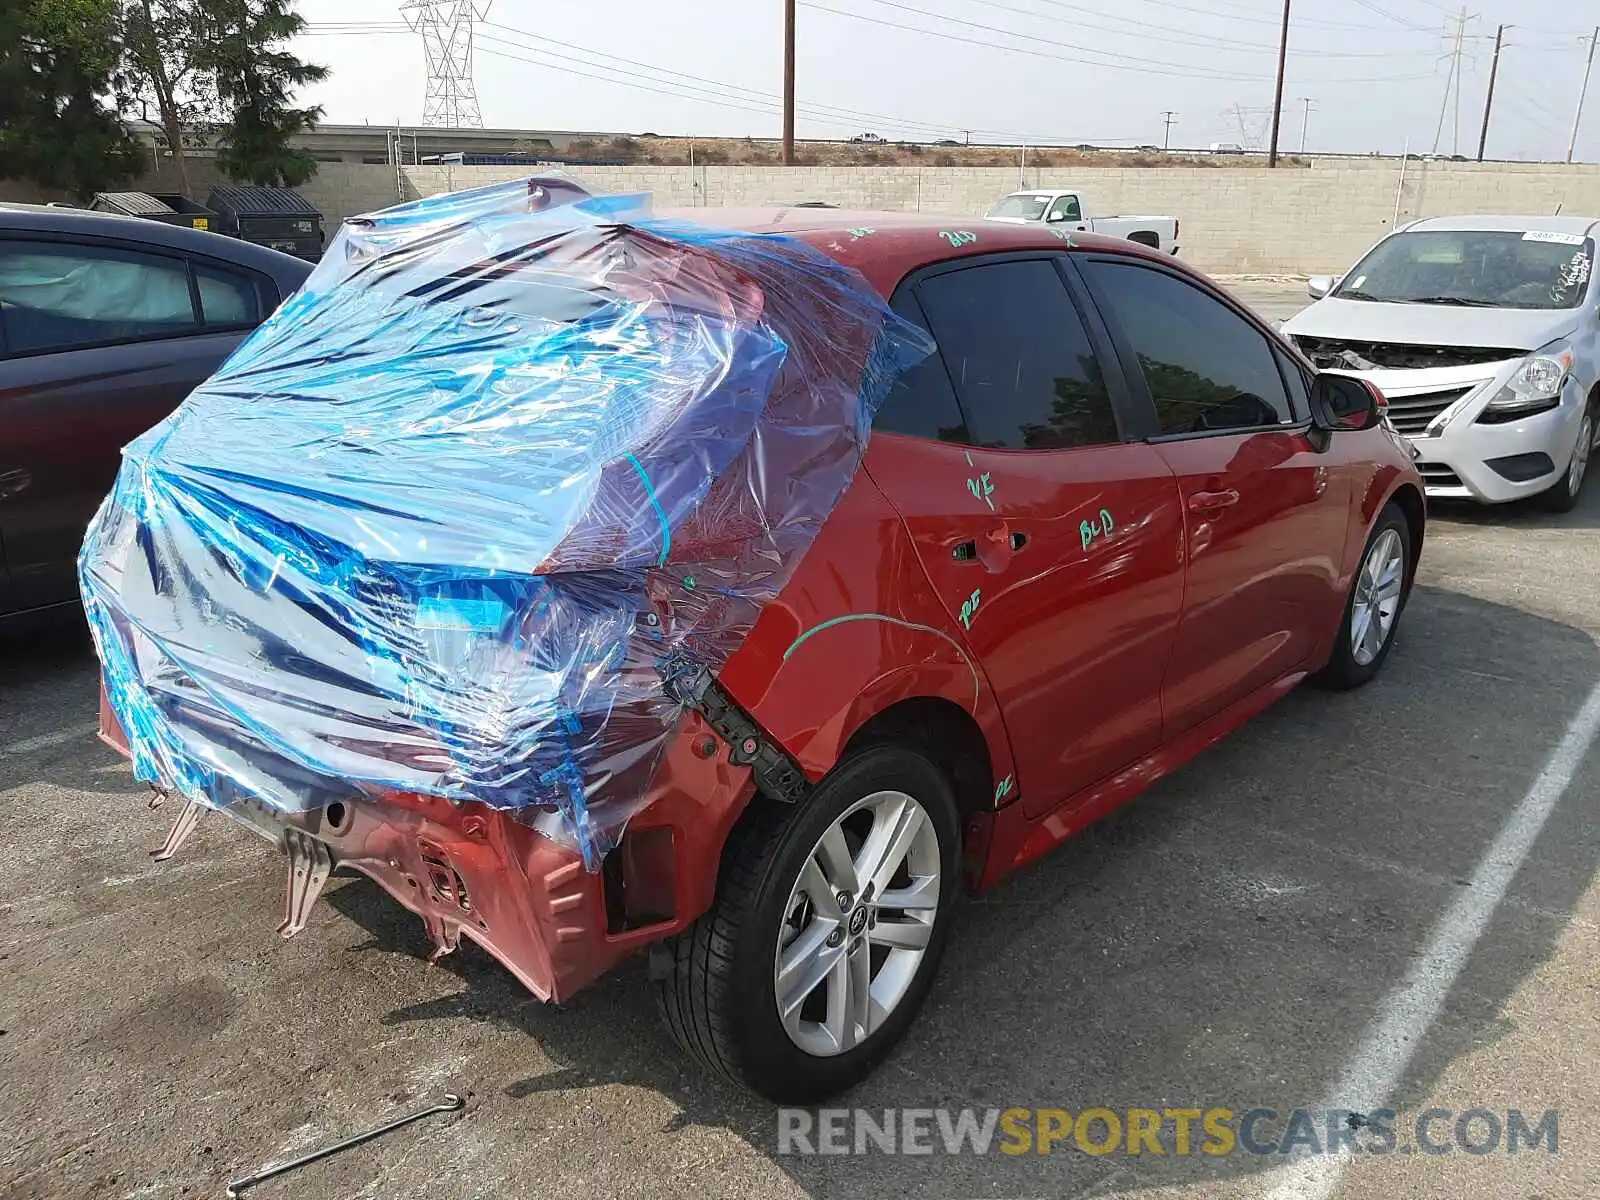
(1537, 383)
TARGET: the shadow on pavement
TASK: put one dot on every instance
(1221, 943)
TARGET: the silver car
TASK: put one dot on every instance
(1481, 331)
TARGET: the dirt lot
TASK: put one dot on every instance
(1234, 939)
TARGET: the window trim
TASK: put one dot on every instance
(1300, 422)
(1124, 404)
(266, 290)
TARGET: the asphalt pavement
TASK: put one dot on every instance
(1326, 899)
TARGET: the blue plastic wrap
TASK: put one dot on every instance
(436, 524)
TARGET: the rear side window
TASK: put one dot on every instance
(1207, 367)
(921, 402)
(1019, 356)
(56, 296)
(227, 300)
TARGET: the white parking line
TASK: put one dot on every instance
(1409, 1009)
(47, 739)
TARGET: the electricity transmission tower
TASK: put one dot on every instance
(1457, 53)
(446, 29)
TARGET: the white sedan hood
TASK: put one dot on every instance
(1521, 329)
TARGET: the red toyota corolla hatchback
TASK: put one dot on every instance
(1110, 518)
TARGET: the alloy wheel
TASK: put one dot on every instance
(1377, 598)
(857, 924)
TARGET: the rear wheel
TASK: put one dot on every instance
(1563, 497)
(1373, 609)
(826, 931)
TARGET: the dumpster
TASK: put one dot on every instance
(279, 218)
(167, 207)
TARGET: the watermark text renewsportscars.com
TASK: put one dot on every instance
(1178, 1132)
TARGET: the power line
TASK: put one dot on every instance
(717, 91)
(721, 87)
(1251, 18)
(1145, 66)
(714, 90)
(1370, 7)
(1195, 39)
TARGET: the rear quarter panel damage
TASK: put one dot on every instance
(858, 629)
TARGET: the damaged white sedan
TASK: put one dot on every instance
(1481, 332)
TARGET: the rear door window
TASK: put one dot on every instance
(1019, 356)
(227, 300)
(1208, 369)
(58, 295)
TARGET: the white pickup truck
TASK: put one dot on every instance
(1066, 210)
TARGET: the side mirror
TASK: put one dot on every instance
(1343, 403)
(1056, 216)
(1319, 286)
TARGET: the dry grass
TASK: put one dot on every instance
(673, 151)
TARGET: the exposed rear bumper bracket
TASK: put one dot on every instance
(777, 774)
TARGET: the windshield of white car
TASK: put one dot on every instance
(1029, 208)
(1477, 268)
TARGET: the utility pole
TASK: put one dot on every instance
(1577, 117)
(1488, 100)
(788, 83)
(1277, 98)
(1305, 120)
(1168, 119)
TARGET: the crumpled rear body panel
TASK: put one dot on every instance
(436, 527)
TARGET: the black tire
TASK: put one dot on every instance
(718, 996)
(1343, 671)
(1563, 497)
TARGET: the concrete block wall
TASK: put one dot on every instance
(1239, 220)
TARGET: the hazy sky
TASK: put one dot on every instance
(1015, 70)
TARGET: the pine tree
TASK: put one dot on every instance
(255, 78)
(57, 61)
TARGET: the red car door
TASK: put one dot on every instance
(1053, 542)
(1265, 513)
(98, 342)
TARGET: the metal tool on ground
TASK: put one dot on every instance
(449, 1103)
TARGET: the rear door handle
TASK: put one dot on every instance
(967, 551)
(1211, 501)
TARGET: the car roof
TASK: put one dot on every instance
(887, 246)
(39, 218)
(1491, 223)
